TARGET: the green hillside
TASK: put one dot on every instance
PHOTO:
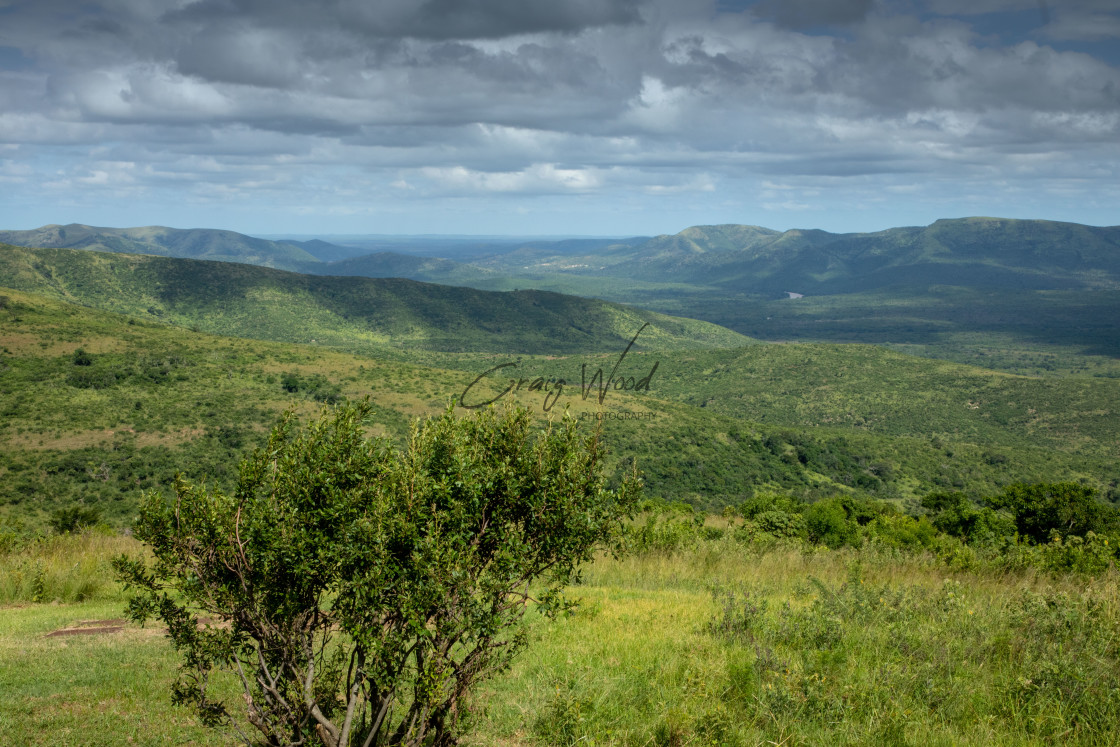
(1024, 296)
(352, 313)
(194, 243)
(97, 406)
(397, 265)
(971, 252)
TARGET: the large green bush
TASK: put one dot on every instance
(364, 590)
(1064, 508)
(829, 523)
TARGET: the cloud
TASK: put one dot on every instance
(804, 14)
(1091, 26)
(536, 179)
(431, 19)
(619, 99)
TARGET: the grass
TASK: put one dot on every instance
(817, 648)
(721, 644)
(88, 689)
(62, 568)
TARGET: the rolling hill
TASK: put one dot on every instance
(410, 266)
(145, 399)
(971, 252)
(1025, 296)
(346, 312)
(194, 243)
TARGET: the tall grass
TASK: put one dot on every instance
(712, 642)
(724, 644)
(63, 568)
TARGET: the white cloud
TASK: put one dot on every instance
(536, 179)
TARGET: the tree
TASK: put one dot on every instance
(358, 592)
(1063, 507)
(955, 514)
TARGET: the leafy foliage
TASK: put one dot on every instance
(366, 590)
(74, 518)
(1064, 509)
(317, 387)
(955, 514)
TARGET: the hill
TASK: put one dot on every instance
(143, 399)
(971, 252)
(410, 266)
(194, 243)
(1026, 296)
(352, 313)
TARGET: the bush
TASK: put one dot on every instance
(317, 386)
(1065, 507)
(668, 527)
(74, 518)
(827, 522)
(782, 524)
(956, 515)
(768, 502)
(905, 532)
(361, 592)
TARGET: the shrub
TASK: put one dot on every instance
(904, 531)
(317, 386)
(74, 518)
(768, 502)
(1065, 507)
(668, 527)
(828, 523)
(956, 515)
(361, 592)
(782, 524)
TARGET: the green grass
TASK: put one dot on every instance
(725, 643)
(88, 689)
(62, 568)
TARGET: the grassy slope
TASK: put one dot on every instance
(157, 399)
(195, 243)
(353, 313)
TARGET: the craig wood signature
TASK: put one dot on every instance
(553, 387)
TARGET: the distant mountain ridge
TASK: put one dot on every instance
(992, 252)
(192, 243)
(972, 252)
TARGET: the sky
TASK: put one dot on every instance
(556, 117)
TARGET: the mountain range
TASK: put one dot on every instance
(971, 252)
(948, 288)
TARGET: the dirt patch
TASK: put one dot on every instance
(89, 627)
(106, 627)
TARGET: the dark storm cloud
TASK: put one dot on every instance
(433, 19)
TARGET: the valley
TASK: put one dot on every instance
(823, 475)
